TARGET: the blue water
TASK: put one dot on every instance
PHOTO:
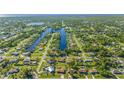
(35, 23)
(43, 34)
(62, 39)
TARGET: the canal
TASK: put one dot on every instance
(62, 39)
(43, 34)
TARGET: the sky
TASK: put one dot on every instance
(61, 6)
(86, 15)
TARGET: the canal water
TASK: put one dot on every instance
(62, 38)
(43, 34)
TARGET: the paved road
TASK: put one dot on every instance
(79, 45)
(69, 76)
(44, 54)
(116, 76)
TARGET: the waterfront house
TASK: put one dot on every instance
(26, 54)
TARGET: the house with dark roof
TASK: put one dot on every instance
(15, 53)
(27, 61)
(12, 71)
(51, 61)
(14, 61)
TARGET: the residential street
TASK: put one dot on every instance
(44, 54)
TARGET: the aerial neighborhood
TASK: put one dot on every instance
(62, 47)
